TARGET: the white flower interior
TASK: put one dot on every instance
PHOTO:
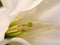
(46, 30)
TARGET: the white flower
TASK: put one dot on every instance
(45, 30)
(10, 9)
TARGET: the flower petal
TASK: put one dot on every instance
(52, 16)
(9, 4)
(24, 6)
(4, 22)
(15, 41)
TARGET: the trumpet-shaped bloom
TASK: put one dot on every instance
(10, 9)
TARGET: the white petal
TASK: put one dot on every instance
(22, 4)
(15, 41)
(20, 40)
(52, 16)
(4, 22)
(9, 4)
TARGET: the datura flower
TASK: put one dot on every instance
(9, 10)
(30, 20)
